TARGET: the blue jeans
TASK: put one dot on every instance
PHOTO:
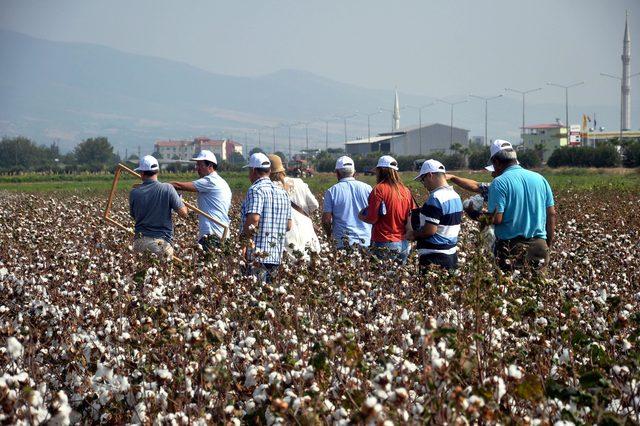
(264, 271)
(397, 251)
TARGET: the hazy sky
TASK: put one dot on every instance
(441, 48)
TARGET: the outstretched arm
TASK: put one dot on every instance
(464, 183)
(184, 186)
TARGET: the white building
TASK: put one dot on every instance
(412, 141)
(186, 149)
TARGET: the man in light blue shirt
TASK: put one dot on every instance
(214, 198)
(342, 202)
(523, 211)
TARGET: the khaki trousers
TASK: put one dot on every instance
(158, 246)
(522, 253)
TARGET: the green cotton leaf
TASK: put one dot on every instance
(593, 379)
(612, 419)
(530, 388)
(444, 331)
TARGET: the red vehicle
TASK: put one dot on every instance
(299, 169)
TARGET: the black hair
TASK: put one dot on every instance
(149, 173)
(210, 164)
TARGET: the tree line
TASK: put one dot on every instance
(21, 154)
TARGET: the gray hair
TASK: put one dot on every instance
(346, 172)
(505, 156)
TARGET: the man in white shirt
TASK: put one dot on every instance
(214, 198)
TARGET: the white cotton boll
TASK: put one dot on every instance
(405, 315)
(62, 410)
(260, 394)
(514, 372)
(250, 376)
(229, 409)
(542, 322)
(163, 373)
(626, 345)
(501, 388)
(328, 405)
(14, 348)
(563, 423)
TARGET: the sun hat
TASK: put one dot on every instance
(387, 161)
(431, 166)
(345, 162)
(205, 155)
(276, 163)
(148, 163)
(497, 146)
(258, 161)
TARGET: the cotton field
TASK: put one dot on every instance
(89, 333)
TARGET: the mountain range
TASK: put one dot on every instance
(65, 92)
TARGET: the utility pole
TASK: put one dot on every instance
(486, 108)
(420, 108)
(523, 93)
(566, 101)
(451, 104)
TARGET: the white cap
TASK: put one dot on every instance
(431, 166)
(497, 146)
(387, 161)
(205, 155)
(258, 161)
(345, 162)
(148, 163)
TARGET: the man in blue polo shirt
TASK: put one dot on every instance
(437, 226)
(524, 215)
(342, 202)
(214, 198)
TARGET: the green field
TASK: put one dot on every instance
(575, 179)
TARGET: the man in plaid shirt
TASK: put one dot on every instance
(266, 218)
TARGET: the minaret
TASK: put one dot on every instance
(625, 98)
(396, 113)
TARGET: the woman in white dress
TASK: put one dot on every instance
(302, 236)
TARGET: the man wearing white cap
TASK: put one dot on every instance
(522, 206)
(214, 197)
(150, 204)
(437, 226)
(342, 202)
(266, 218)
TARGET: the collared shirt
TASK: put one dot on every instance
(344, 200)
(522, 196)
(150, 204)
(443, 209)
(272, 204)
(214, 197)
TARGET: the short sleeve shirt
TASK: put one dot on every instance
(443, 208)
(388, 210)
(214, 197)
(344, 201)
(272, 204)
(522, 196)
(150, 204)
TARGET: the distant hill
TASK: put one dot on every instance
(70, 91)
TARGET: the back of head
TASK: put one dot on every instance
(506, 157)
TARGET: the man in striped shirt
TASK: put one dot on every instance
(437, 226)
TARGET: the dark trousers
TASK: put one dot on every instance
(208, 242)
(446, 261)
(264, 271)
(522, 254)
